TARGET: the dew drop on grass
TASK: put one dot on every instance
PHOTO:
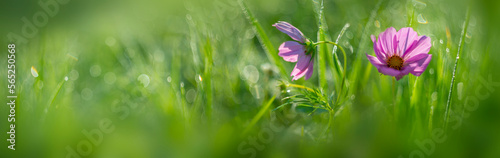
(434, 96)
(110, 78)
(199, 78)
(143, 79)
(431, 71)
(447, 50)
(169, 79)
(419, 5)
(65, 78)
(182, 84)
(441, 41)
(87, 94)
(460, 88)
(34, 72)
(421, 19)
(95, 71)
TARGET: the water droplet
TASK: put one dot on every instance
(65, 78)
(431, 71)
(110, 41)
(447, 50)
(182, 84)
(434, 96)
(169, 79)
(199, 78)
(87, 94)
(377, 24)
(441, 41)
(458, 57)
(460, 88)
(73, 75)
(352, 97)
(110, 78)
(143, 79)
(421, 19)
(419, 4)
(34, 72)
(95, 71)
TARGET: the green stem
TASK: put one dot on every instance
(394, 96)
(343, 72)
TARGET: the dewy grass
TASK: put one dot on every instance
(322, 48)
(460, 48)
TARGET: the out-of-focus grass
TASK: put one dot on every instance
(186, 78)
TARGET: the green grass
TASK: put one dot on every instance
(217, 84)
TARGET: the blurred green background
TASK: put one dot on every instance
(189, 78)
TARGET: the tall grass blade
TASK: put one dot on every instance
(322, 48)
(460, 48)
(272, 55)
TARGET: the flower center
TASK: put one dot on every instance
(395, 62)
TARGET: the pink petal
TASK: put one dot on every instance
(422, 65)
(387, 70)
(310, 70)
(379, 51)
(291, 50)
(406, 37)
(388, 41)
(374, 39)
(415, 58)
(375, 60)
(405, 71)
(422, 46)
(301, 65)
(291, 30)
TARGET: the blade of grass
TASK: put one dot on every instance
(322, 48)
(333, 59)
(264, 40)
(207, 49)
(259, 115)
(460, 48)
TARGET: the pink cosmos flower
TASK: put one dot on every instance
(298, 51)
(400, 53)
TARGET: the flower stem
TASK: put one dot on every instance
(394, 96)
(344, 72)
